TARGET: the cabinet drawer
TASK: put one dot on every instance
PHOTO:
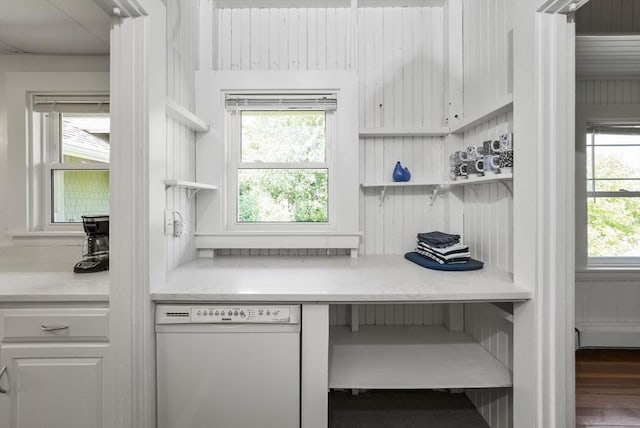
(46, 324)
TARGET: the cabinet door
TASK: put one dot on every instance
(54, 386)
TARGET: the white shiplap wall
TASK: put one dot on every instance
(182, 18)
(379, 314)
(401, 73)
(607, 92)
(608, 303)
(488, 208)
(491, 328)
(283, 39)
(609, 16)
(400, 62)
(488, 53)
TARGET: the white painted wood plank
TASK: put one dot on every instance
(314, 400)
(185, 117)
(189, 185)
(411, 357)
(492, 111)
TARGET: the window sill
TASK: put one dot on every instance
(62, 237)
(609, 274)
(264, 240)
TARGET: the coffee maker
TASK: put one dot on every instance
(96, 245)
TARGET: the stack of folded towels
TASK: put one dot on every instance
(443, 248)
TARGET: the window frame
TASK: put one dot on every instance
(585, 117)
(24, 155)
(213, 229)
(233, 134)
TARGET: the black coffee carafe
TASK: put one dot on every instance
(96, 245)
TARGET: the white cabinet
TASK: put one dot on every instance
(57, 368)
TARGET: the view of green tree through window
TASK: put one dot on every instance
(282, 174)
(613, 191)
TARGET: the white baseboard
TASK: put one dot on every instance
(604, 334)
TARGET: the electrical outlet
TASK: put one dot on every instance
(168, 223)
(178, 224)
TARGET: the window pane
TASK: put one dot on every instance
(283, 136)
(282, 195)
(631, 185)
(77, 193)
(85, 138)
(607, 139)
(617, 162)
(613, 227)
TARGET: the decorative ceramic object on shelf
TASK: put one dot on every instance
(400, 174)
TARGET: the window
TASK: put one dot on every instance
(613, 192)
(74, 141)
(281, 159)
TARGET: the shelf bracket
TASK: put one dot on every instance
(439, 190)
(509, 188)
(191, 193)
(383, 192)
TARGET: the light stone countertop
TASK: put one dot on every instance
(51, 282)
(332, 279)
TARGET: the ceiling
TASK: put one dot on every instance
(54, 27)
(608, 56)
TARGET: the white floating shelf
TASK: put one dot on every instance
(401, 184)
(191, 186)
(411, 357)
(184, 116)
(479, 180)
(494, 111)
(403, 132)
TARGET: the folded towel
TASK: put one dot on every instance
(438, 239)
(445, 251)
(442, 261)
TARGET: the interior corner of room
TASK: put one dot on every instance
(341, 320)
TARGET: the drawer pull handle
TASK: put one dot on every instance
(2, 390)
(54, 327)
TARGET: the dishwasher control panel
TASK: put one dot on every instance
(227, 314)
(240, 314)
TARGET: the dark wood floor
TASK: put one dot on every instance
(607, 388)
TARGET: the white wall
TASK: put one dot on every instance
(182, 45)
(488, 208)
(607, 309)
(70, 251)
(401, 67)
(400, 63)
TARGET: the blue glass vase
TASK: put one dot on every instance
(407, 174)
(398, 172)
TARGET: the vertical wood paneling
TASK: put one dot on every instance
(283, 39)
(401, 67)
(401, 70)
(607, 92)
(488, 208)
(495, 334)
(488, 29)
(182, 31)
(389, 314)
(608, 16)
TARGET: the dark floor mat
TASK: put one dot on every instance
(406, 409)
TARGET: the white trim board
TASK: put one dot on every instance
(603, 334)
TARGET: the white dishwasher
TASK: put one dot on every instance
(228, 366)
